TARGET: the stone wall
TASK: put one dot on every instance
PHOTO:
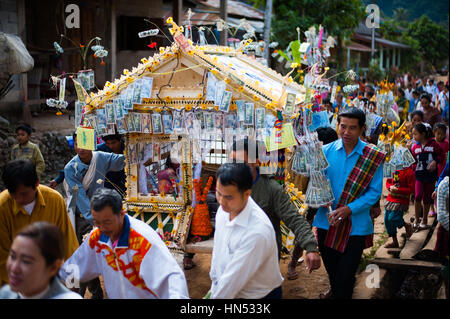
(9, 24)
(53, 146)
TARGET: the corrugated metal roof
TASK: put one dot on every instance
(234, 8)
(358, 47)
(381, 41)
(202, 18)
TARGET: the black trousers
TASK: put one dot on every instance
(82, 227)
(341, 267)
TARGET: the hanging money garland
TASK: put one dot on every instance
(393, 143)
(309, 160)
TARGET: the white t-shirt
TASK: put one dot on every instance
(29, 208)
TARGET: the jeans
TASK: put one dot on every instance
(341, 267)
(393, 219)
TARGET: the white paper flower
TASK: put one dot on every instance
(101, 53)
(97, 47)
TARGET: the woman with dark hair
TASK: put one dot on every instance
(26, 149)
(403, 105)
(33, 263)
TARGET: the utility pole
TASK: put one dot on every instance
(372, 54)
(224, 17)
(267, 23)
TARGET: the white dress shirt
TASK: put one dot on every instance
(245, 256)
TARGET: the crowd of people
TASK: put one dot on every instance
(43, 239)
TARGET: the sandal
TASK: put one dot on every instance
(188, 263)
(423, 226)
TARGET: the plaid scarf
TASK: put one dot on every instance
(358, 180)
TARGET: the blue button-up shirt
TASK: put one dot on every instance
(74, 173)
(340, 167)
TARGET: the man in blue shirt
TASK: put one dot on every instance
(414, 101)
(339, 103)
(343, 155)
(114, 179)
(86, 172)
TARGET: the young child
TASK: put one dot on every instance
(27, 150)
(427, 154)
(440, 132)
(400, 188)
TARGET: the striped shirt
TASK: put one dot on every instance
(442, 203)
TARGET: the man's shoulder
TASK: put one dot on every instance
(103, 148)
(107, 155)
(5, 198)
(7, 293)
(71, 162)
(331, 146)
(259, 223)
(49, 193)
(140, 229)
(269, 184)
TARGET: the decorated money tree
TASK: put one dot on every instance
(172, 108)
(84, 78)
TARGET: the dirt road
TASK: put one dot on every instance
(306, 286)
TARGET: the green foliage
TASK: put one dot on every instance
(417, 34)
(433, 39)
(375, 74)
(338, 17)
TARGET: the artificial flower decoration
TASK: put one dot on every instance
(152, 45)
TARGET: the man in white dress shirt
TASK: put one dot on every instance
(245, 256)
(432, 89)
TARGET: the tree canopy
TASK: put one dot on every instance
(338, 17)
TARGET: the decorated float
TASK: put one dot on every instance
(173, 108)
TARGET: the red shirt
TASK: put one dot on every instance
(445, 147)
(405, 186)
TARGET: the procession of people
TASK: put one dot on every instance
(40, 246)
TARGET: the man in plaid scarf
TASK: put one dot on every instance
(356, 177)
